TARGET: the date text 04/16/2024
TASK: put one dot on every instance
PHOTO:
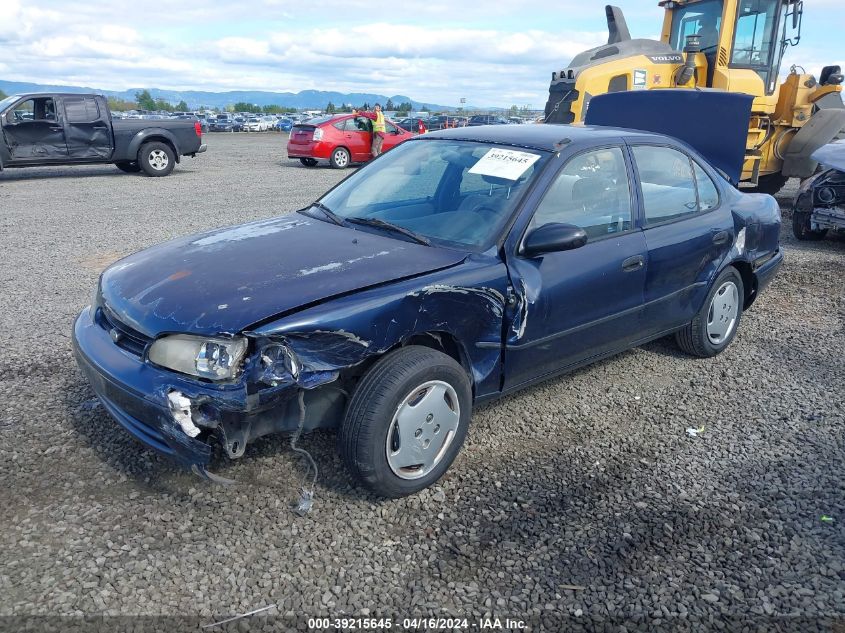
(415, 624)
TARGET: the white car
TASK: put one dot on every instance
(254, 124)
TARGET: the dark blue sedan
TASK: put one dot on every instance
(460, 266)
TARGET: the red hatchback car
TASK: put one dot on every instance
(340, 139)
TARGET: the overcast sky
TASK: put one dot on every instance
(493, 53)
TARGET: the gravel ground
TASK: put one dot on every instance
(582, 500)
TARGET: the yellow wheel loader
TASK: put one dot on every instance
(733, 46)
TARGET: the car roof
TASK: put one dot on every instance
(547, 136)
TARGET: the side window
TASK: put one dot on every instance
(362, 124)
(591, 191)
(708, 194)
(84, 110)
(389, 128)
(341, 125)
(667, 183)
(39, 109)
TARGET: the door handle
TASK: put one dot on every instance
(56, 128)
(633, 263)
(721, 237)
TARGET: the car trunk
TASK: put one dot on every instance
(302, 134)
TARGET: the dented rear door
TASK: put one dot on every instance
(87, 127)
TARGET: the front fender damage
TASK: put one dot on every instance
(300, 370)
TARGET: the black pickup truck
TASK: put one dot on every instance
(78, 129)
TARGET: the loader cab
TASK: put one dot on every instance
(741, 40)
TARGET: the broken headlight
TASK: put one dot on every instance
(212, 358)
(280, 364)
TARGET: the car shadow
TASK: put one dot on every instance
(41, 173)
(25, 173)
(269, 462)
(114, 446)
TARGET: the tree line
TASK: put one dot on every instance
(389, 106)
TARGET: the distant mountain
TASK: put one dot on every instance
(196, 98)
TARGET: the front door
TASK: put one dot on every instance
(688, 231)
(392, 136)
(34, 131)
(579, 304)
(87, 128)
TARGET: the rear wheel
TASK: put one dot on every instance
(406, 421)
(129, 168)
(801, 227)
(156, 159)
(715, 325)
(308, 162)
(340, 158)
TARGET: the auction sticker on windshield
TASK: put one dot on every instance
(504, 163)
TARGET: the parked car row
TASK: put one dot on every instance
(223, 122)
(344, 139)
(253, 123)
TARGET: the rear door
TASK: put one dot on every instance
(34, 132)
(688, 231)
(87, 128)
(358, 137)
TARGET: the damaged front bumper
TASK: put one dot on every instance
(184, 418)
(127, 392)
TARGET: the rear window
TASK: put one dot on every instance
(319, 120)
(81, 110)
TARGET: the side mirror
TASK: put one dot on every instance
(552, 238)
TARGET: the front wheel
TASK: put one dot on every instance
(802, 228)
(406, 421)
(340, 158)
(308, 162)
(715, 325)
(156, 159)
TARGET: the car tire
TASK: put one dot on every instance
(716, 324)
(372, 442)
(801, 228)
(129, 168)
(308, 162)
(340, 158)
(156, 159)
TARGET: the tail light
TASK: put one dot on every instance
(318, 134)
(198, 128)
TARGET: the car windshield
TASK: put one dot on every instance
(457, 194)
(5, 103)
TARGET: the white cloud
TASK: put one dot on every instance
(432, 51)
(487, 66)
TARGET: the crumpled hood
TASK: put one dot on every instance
(831, 155)
(226, 280)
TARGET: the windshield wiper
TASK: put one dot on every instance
(384, 224)
(331, 215)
